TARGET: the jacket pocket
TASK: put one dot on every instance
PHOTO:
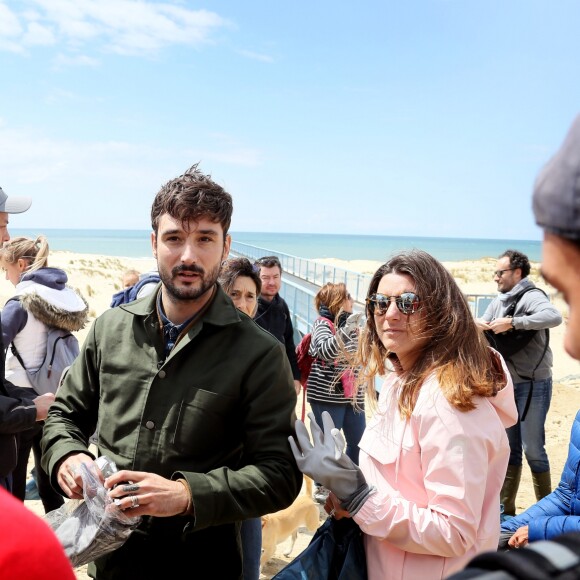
(203, 422)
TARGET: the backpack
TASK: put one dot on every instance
(510, 342)
(557, 558)
(61, 350)
(303, 356)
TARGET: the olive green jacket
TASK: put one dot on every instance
(218, 412)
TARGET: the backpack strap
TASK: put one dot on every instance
(546, 344)
(17, 355)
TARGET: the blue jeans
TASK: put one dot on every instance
(530, 432)
(251, 534)
(352, 422)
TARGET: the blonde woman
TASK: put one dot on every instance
(434, 455)
(42, 299)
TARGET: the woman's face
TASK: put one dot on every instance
(347, 304)
(400, 333)
(244, 294)
(14, 270)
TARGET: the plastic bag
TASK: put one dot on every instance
(94, 526)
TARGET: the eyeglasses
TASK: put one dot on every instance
(407, 303)
(499, 273)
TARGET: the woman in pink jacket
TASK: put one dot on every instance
(434, 455)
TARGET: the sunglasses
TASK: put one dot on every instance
(407, 303)
(499, 273)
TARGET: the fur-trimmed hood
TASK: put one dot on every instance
(47, 297)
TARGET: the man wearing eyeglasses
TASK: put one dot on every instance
(273, 313)
(520, 306)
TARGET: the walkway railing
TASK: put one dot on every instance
(301, 300)
(310, 270)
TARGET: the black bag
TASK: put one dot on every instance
(558, 558)
(336, 552)
(510, 342)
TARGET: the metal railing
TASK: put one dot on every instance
(310, 270)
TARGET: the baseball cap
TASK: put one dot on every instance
(556, 199)
(13, 204)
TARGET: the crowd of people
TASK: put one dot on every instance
(189, 384)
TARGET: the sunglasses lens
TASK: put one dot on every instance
(408, 303)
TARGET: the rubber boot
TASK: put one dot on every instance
(509, 490)
(542, 484)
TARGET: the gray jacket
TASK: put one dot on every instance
(533, 312)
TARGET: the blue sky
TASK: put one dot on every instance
(398, 118)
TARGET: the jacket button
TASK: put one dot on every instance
(150, 425)
(161, 374)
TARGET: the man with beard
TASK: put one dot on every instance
(191, 400)
(520, 306)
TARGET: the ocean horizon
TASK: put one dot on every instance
(136, 244)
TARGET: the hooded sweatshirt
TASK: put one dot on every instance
(42, 299)
(438, 476)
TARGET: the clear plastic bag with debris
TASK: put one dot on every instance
(94, 526)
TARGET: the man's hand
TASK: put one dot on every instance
(147, 494)
(69, 477)
(297, 386)
(42, 404)
(520, 538)
(482, 324)
(501, 325)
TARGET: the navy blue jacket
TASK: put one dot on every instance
(558, 512)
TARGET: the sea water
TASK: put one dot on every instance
(137, 244)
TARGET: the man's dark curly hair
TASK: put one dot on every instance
(192, 196)
(518, 260)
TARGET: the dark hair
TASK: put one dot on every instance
(269, 262)
(518, 260)
(454, 347)
(233, 268)
(192, 196)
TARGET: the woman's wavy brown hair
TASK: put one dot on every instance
(332, 296)
(454, 348)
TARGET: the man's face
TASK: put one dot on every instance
(508, 277)
(561, 269)
(189, 259)
(271, 281)
(4, 235)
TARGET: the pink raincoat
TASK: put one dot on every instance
(438, 477)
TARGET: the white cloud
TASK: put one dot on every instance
(256, 56)
(99, 183)
(9, 24)
(38, 35)
(62, 61)
(122, 26)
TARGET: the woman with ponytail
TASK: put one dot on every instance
(42, 300)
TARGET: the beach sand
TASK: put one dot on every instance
(98, 277)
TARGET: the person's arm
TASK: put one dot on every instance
(542, 313)
(456, 462)
(14, 319)
(324, 342)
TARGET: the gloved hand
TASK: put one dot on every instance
(324, 461)
(354, 322)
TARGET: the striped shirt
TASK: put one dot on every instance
(323, 384)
